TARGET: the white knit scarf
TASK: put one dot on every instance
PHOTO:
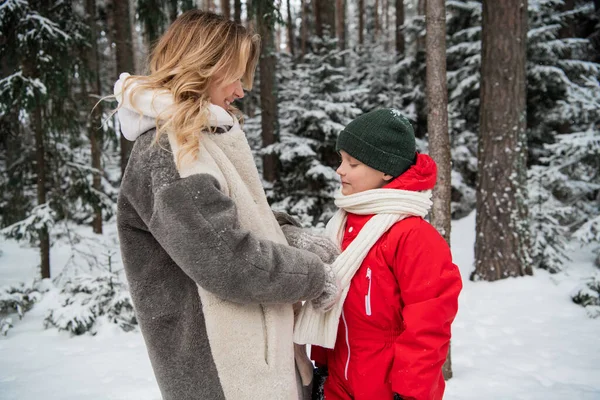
(390, 206)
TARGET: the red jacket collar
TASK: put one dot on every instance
(421, 176)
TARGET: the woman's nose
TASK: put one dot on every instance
(238, 90)
(339, 170)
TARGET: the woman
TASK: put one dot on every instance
(211, 276)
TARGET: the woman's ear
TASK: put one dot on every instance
(387, 177)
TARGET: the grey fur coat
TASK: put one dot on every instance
(210, 275)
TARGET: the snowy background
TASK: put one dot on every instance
(519, 338)
(75, 336)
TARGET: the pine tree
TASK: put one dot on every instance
(42, 92)
(560, 101)
(314, 108)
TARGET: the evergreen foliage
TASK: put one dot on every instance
(588, 296)
(314, 107)
(16, 299)
(44, 78)
(85, 299)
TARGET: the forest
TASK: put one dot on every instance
(513, 122)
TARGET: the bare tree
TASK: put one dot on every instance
(502, 246)
(437, 125)
(94, 121)
(125, 60)
(399, 28)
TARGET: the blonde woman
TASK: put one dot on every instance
(210, 272)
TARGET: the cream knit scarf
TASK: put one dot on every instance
(390, 206)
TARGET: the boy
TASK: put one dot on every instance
(400, 287)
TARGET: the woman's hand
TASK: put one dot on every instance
(331, 292)
(306, 240)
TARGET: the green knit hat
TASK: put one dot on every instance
(382, 139)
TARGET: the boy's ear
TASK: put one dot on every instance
(387, 177)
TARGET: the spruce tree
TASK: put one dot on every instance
(314, 107)
(40, 96)
(560, 110)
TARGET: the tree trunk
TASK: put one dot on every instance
(399, 28)
(268, 97)
(237, 11)
(377, 22)
(386, 25)
(324, 17)
(125, 59)
(249, 15)
(172, 6)
(30, 71)
(421, 7)
(340, 21)
(290, 29)
(304, 33)
(502, 234)
(361, 22)
(94, 122)
(226, 9)
(437, 125)
(41, 188)
(318, 17)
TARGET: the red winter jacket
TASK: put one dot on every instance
(394, 331)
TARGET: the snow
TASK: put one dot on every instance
(519, 338)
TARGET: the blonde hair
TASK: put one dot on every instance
(196, 47)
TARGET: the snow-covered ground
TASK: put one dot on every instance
(515, 339)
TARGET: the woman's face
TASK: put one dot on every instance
(357, 177)
(223, 94)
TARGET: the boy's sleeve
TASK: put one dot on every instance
(429, 287)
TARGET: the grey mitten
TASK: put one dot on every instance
(306, 240)
(331, 292)
(285, 219)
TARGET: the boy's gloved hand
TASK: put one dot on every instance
(397, 396)
(331, 292)
(306, 240)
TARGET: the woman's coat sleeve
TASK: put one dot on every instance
(197, 225)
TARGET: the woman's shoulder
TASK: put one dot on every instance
(150, 160)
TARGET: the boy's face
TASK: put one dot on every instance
(357, 177)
